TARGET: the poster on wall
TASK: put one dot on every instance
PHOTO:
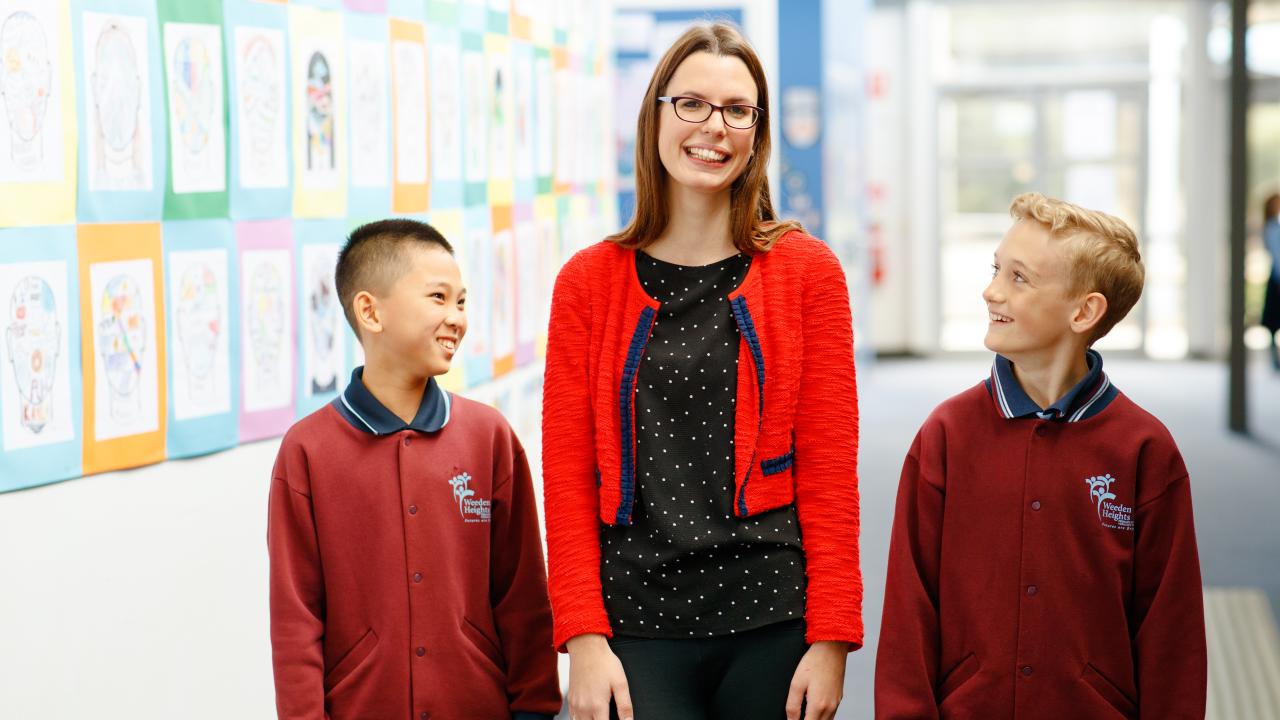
(446, 114)
(39, 346)
(267, 337)
(37, 122)
(476, 250)
(203, 340)
(525, 255)
(122, 345)
(197, 112)
(122, 123)
(258, 93)
(409, 113)
(476, 104)
(500, 113)
(322, 326)
(369, 148)
(319, 113)
(503, 291)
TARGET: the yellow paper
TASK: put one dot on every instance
(319, 90)
(36, 187)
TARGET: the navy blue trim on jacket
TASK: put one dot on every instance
(1089, 397)
(742, 316)
(626, 401)
(782, 463)
(359, 407)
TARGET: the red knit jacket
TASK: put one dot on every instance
(796, 422)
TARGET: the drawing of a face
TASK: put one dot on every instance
(260, 93)
(323, 310)
(199, 320)
(266, 319)
(193, 92)
(122, 343)
(26, 80)
(319, 113)
(117, 88)
(367, 104)
(33, 338)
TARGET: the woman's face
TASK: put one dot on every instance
(707, 156)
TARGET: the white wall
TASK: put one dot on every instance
(139, 594)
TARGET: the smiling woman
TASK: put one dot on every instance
(703, 549)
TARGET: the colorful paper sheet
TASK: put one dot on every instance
(204, 336)
(259, 89)
(444, 68)
(267, 334)
(195, 97)
(409, 116)
(322, 333)
(369, 110)
(503, 291)
(38, 124)
(319, 113)
(39, 357)
(475, 251)
(122, 345)
(121, 112)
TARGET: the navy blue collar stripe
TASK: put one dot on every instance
(359, 407)
(1088, 398)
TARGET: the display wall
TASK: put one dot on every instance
(176, 179)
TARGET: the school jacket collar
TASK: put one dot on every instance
(362, 410)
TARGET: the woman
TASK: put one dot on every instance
(700, 427)
(1271, 306)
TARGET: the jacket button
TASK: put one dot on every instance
(1026, 670)
(408, 441)
(417, 577)
(1035, 505)
(1040, 430)
(424, 716)
(1032, 590)
(413, 509)
(423, 651)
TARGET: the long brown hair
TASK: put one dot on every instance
(1270, 207)
(752, 222)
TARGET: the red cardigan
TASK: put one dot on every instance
(406, 571)
(796, 422)
(1042, 570)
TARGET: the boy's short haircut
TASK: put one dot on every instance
(1101, 251)
(373, 258)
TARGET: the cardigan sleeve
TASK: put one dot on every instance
(571, 499)
(1169, 647)
(518, 589)
(826, 459)
(907, 656)
(297, 602)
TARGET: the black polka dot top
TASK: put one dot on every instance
(686, 567)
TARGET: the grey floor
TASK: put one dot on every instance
(1235, 480)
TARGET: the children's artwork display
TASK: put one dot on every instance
(177, 180)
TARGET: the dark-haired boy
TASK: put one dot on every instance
(1043, 561)
(407, 578)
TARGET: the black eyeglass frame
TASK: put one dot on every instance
(673, 100)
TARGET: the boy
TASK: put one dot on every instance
(407, 578)
(1043, 561)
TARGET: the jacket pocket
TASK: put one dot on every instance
(958, 675)
(781, 463)
(483, 642)
(351, 660)
(1109, 691)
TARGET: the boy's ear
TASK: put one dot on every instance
(365, 308)
(1089, 312)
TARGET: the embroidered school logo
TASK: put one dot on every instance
(1114, 515)
(472, 508)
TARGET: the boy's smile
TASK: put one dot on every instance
(424, 315)
(1028, 299)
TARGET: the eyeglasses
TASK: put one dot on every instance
(696, 110)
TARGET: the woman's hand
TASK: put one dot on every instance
(818, 682)
(595, 676)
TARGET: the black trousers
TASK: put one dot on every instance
(743, 676)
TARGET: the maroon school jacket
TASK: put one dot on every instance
(1042, 569)
(407, 578)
